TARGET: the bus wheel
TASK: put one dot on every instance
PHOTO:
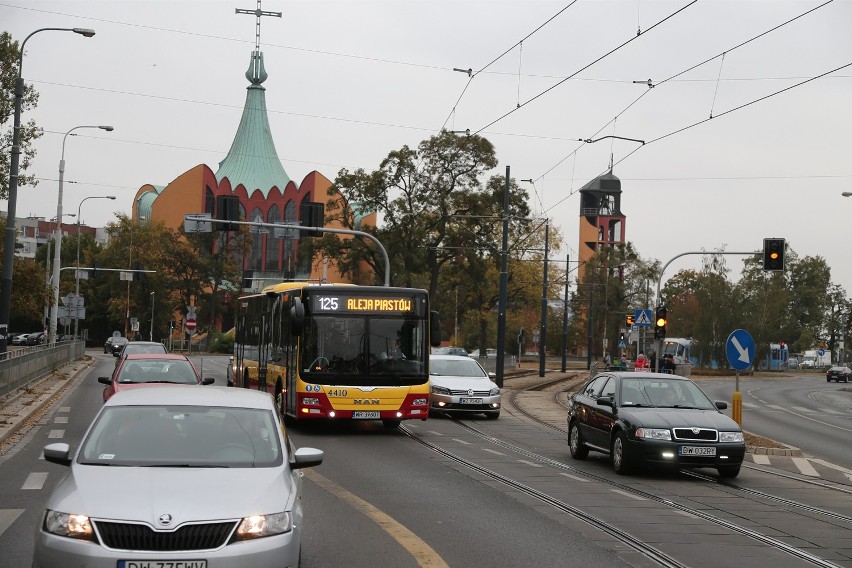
(391, 424)
(279, 397)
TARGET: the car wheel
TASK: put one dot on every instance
(620, 462)
(391, 424)
(729, 472)
(492, 415)
(828, 380)
(579, 451)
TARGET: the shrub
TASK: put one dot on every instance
(221, 343)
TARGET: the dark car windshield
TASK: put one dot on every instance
(663, 393)
(157, 371)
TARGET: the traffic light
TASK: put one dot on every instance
(660, 323)
(773, 254)
(521, 335)
(629, 320)
(227, 209)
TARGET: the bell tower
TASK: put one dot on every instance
(601, 220)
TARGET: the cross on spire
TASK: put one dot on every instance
(258, 13)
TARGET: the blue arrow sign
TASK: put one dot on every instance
(642, 318)
(740, 349)
(821, 352)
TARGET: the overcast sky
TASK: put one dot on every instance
(352, 80)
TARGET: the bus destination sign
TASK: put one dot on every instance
(358, 304)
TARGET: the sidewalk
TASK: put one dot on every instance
(25, 405)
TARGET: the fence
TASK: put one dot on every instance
(21, 366)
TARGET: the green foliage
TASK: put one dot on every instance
(221, 343)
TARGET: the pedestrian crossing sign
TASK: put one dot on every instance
(642, 318)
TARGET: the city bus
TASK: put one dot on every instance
(326, 350)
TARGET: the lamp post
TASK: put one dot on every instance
(14, 164)
(48, 279)
(77, 272)
(54, 313)
(151, 336)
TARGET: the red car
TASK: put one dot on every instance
(152, 369)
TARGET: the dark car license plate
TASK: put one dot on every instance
(697, 451)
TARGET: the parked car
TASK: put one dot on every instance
(148, 485)
(838, 374)
(143, 370)
(460, 384)
(113, 343)
(449, 351)
(19, 339)
(653, 419)
(36, 338)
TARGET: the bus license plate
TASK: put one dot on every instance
(162, 564)
(697, 451)
(362, 414)
(470, 401)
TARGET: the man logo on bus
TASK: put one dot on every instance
(366, 401)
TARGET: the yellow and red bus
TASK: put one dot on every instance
(323, 350)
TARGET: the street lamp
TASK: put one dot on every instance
(77, 272)
(46, 320)
(15, 154)
(54, 313)
(151, 337)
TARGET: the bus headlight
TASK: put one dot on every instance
(420, 402)
(310, 400)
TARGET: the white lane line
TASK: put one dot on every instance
(760, 459)
(533, 464)
(832, 411)
(775, 407)
(805, 467)
(35, 481)
(802, 409)
(61, 420)
(750, 405)
(460, 441)
(64, 409)
(574, 477)
(433, 432)
(56, 434)
(7, 517)
(493, 451)
(627, 494)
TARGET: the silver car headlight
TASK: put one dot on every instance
(654, 433)
(258, 526)
(440, 390)
(494, 392)
(731, 437)
(68, 525)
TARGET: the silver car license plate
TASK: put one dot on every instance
(697, 451)
(470, 401)
(162, 564)
(364, 414)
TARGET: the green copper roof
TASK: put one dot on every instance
(146, 200)
(252, 160)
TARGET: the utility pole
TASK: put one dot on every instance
(504, 284)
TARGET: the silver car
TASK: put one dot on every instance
(460, 384)
(177, 476)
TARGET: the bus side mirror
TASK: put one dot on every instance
(434, 329)
(297, 316)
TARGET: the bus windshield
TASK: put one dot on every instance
(359, 351)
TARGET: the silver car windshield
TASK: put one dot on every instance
(456, 368)
(157, 371)
(182, 436)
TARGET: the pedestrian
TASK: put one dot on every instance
(641, 362)
(607, 360)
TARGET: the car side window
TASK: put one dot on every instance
(609, 388)
(594, 387)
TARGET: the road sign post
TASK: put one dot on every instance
(740, 351)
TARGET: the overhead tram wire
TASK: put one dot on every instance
(605, 55)
(471, 74)
(766, 32)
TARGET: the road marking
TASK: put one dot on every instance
(802, 409)
(460, 441)
(56, 434)
(533, 464)
(7, 517)
(628, 494)
(493, 451)
(832, 411)
(422, 552)
(433, 432)
(750, 405)
(805, 467)
(64, 409)
(760, 459)
(574, 477)
(843, 470)
(61, 420)
(35, 481)
(775, 407)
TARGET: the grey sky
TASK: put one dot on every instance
(350, 81)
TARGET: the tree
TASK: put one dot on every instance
(31, 290)
(9, 57)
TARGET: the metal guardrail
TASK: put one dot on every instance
(22, 365)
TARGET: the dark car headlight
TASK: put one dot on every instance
(731, 437)
(440, 390)
(259, 526)
(68, 525)
(654, 433)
